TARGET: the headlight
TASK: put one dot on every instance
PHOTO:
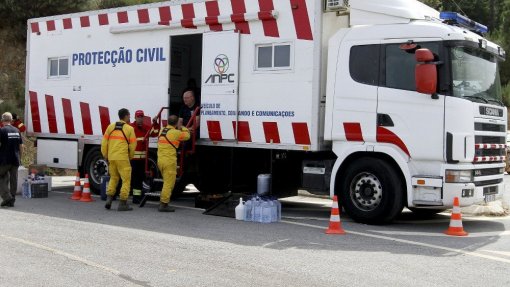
(458, 176)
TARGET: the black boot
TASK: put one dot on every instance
(108, 203)
(163, 207)
(124, 206)
(8, 203)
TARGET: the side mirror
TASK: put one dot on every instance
(425, 72)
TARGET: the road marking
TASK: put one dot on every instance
(505, 253)
(62, 253)
(276, 242)
(459, 251)
(78, 259)
(471, 235)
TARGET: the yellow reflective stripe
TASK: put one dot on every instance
(138, 156)
(139, 139)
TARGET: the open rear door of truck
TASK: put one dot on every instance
(220, 82)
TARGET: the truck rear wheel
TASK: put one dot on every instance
(371, 191)
(96, 167)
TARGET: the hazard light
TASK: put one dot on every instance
(454, 18)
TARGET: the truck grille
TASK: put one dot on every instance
(490, 142)
(489, 127)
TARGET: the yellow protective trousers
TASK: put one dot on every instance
(168, 170)
(119, 169)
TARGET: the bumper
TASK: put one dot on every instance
(452, 190)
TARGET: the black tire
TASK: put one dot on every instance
(371, 192)
(96, 167)
(425, 213)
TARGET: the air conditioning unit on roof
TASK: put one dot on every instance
(336, 5)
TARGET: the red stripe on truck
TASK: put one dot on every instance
(85, 21)
(50, 25)
(104, 115)
(243, 131)
(52, 117)
(384, 135)
(164, 14)
(353, 132)
(68, 116)
(68, 23)
(238, 9)
(86, 119)
(103, 19)
(188, 13)
(122, 17)
(213, 11)
(35, 27)
(301, 135)
(269, 23)
(34, 109)
(271, 132)
(214, 129)
(143, 16)
(301, 19)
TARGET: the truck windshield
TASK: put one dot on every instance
(475, 75)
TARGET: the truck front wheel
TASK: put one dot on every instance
(95, 166)
(371, 191)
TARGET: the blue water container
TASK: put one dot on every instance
(105, 179)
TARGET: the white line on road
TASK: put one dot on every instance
(471, 235)
(505, 253)
(459, 251)
(62, 253)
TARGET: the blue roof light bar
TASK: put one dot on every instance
(455, 18)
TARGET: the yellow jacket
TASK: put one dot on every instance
(114, 145)
(167, 152)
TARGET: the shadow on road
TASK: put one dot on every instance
(188, 222)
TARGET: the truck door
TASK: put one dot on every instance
(412, 121)
(220, 77)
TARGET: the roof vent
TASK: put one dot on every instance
(336, 5)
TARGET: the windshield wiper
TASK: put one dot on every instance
(497, 101)
(478, 98)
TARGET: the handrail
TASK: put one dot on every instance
(192, 122)
(146, 137)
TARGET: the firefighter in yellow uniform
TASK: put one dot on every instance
(168, 143)
(118, 147)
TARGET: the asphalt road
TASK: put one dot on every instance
(59, 242)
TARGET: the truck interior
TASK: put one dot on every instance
(185, 67)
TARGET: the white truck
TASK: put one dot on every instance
(384, 103)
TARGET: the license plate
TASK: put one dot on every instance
(490, 197)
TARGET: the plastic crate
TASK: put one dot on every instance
(39, 190)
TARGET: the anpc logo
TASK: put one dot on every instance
(221, 65)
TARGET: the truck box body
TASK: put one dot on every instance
(118, 58)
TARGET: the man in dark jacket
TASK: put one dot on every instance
(11, 146)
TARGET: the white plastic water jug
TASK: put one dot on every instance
(240, 210)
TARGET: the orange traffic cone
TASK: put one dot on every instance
(335, 225)
(455, 227)
(77, 188)
(85, 197)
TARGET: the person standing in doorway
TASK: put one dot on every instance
(168, 143)
(11, 147)
(118, 148)
(186, 111)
